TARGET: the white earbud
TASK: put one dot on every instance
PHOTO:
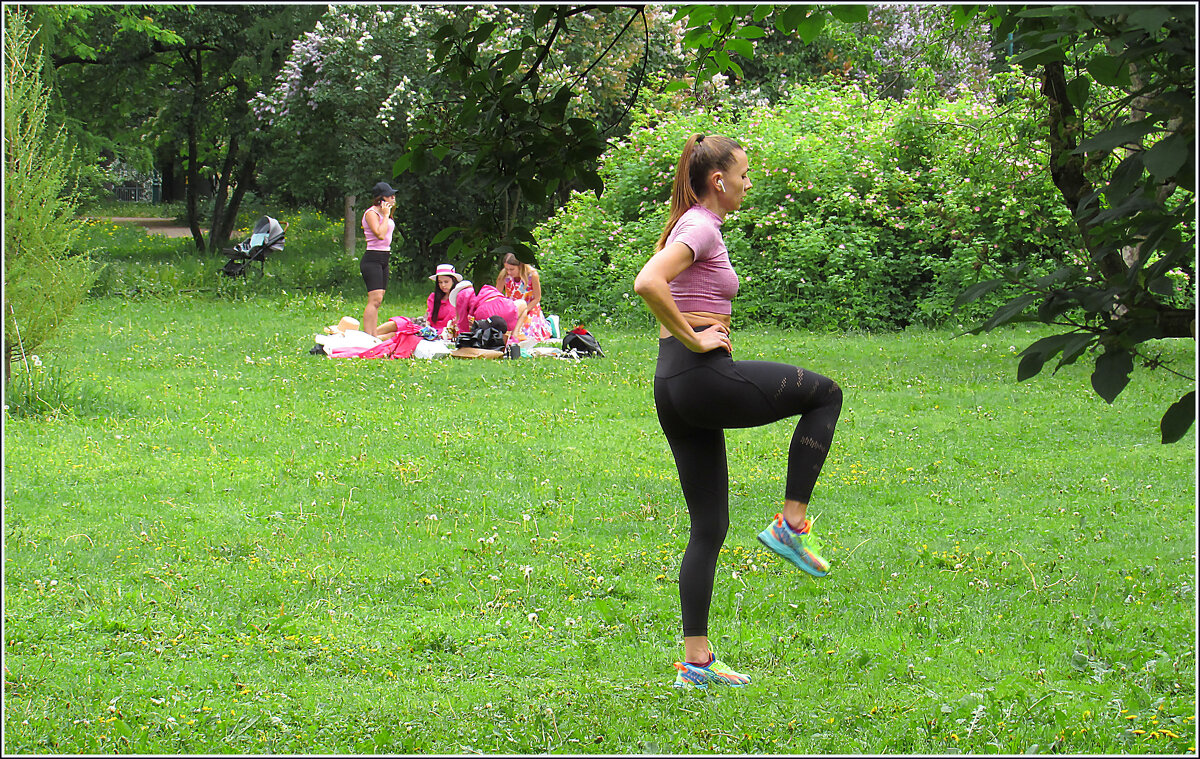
(721, 185)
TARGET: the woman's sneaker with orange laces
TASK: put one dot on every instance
(800, 548)
(700, 675)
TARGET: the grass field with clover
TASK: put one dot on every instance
(222, 544)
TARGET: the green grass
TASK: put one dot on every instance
(229, 545)
(141, 209)
(133, 263)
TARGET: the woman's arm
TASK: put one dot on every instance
(535, 290)
(653, 284)
(376, 223)
(500, 279)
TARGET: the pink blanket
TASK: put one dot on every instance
(400, 345)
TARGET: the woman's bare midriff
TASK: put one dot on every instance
(698, 319)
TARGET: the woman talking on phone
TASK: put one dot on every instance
(378, 225)
(700, 391)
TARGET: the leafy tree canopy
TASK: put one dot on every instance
(525, 88)
(1119, 83)
(187, 89)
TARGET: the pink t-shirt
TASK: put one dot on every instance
(445, 312)
(378, 243)
(710, 283)
(486, 303)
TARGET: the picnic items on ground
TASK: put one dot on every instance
(487, 334)
(400, 344)
(480, 304)
(581, 342)
(488, 337)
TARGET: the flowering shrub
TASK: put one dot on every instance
(864, 213)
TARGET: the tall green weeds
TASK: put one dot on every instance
(44, 279)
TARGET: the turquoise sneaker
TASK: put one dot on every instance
(799, 548)
(716, 671)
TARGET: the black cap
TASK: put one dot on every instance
(382, 189)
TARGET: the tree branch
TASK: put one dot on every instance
(156, 49)
(641, 11)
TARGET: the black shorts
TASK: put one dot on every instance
(374, 268)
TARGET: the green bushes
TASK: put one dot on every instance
(864, 213)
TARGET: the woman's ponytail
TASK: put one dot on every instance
(701, 155)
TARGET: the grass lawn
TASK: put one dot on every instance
(233, 546)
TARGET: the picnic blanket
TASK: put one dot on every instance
(402, 344)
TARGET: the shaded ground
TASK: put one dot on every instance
(158, 226)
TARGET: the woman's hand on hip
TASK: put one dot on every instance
(713, 337)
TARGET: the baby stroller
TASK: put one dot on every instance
(267, 237)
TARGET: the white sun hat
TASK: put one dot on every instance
(446, 270)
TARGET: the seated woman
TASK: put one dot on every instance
(520, 282)
(438, 310)
(471, 306)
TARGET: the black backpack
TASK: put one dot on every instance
(581, 341)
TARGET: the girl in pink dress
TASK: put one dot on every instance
(520, 282)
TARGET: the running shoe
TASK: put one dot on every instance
(800, 548)
(699, 676)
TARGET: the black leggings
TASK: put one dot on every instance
(698, 396)
(374, 268)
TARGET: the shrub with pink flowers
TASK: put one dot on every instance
(865, 213)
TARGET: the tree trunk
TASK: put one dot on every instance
(219, 237)
(218, 220)
(193, 169)
(350, 230)
(193, 183)
(1066, 167)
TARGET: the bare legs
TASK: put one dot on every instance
(795, 512)
(522, 312)
(385, 330)
(371, 312)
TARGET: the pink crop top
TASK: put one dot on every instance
(382, 244)
(710, 283)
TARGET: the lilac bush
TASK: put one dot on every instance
(908, 46)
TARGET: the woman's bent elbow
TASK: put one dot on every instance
(642, 285)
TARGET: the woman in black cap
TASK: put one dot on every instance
(378, 225)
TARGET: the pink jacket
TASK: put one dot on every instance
(486, 303)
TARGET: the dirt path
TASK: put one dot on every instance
(157, 226)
